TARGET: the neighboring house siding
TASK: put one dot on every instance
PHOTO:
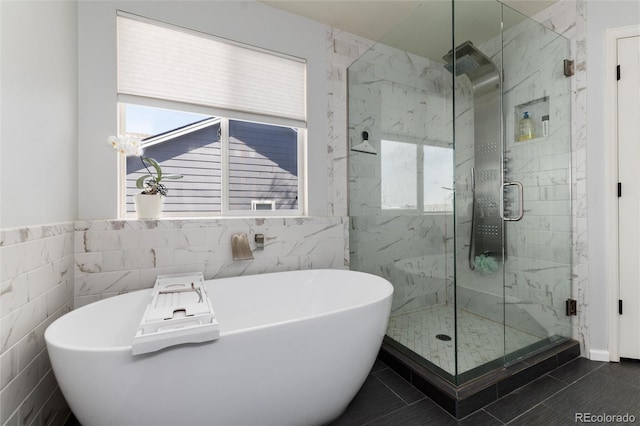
(196, 156)
(262, 163)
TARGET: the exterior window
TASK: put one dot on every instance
(261, 171)
(263, 167)
(416, 176)
(438, 179)
(399, 166)
(229, 117)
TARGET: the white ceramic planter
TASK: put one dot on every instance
(148, 206)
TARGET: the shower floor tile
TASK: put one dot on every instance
(480, 340)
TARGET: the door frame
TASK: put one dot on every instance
(611, 173)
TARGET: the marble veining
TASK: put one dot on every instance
(36, 287)
(343, 49)
(113, 257)
(397, 96)
(569, 19)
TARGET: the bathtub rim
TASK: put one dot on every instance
(127, 348)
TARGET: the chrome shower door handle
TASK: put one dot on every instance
(520, 201)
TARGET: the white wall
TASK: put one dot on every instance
(601, 15)
(38, 169)
(39, 112)
(248, 22)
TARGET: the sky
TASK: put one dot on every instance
(152, 121)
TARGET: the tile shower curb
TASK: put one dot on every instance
(460, 401)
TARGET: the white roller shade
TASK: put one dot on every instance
(164, 62)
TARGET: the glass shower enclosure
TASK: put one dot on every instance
(460, 184)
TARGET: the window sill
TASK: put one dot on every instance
(201, 222)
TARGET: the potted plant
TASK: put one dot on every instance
(149, 201)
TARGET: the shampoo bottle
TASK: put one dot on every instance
(525, 128)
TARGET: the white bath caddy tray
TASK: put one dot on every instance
(179, 312)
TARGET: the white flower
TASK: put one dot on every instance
(127, 145)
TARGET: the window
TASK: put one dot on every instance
(438, 179)
(261, 171)
(416, 174)
(399, 167)
(228, 117)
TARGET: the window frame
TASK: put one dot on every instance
(224, 162)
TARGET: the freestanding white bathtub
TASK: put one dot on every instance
(294, 349)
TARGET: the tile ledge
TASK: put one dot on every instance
(199, 222)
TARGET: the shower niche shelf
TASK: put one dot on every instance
(537, 109)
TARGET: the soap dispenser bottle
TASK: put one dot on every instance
(525, 128)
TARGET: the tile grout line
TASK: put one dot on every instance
(578, 379)
(396, 394)
(624, 381)
(541, 402)
(407, 406)
(554, 394)
(368, 422)
(491, 415)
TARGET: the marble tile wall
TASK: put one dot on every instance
(36, 287)
(569, 19)
(398, 96)
(548, 290)
(343, 48)
(407, 250)
(118, 256)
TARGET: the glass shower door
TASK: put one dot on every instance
(479, 262)
(401, 181)
(513, 180)
(536, 107)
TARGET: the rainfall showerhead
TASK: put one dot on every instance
(468, 59)
(464, 65)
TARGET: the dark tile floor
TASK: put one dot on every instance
(578, 388)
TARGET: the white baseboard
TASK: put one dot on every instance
(599, 355)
